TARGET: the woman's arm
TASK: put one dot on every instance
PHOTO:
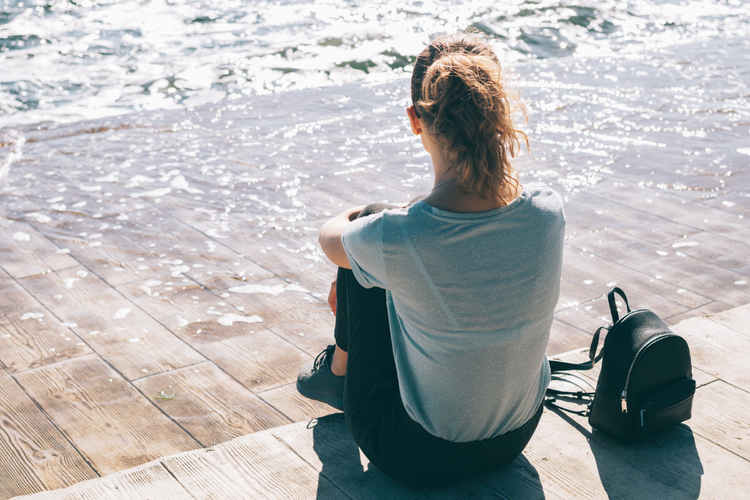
(330, 236)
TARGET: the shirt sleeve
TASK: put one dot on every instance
(363, 243)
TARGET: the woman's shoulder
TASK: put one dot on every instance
(543, 195)
(544, 201)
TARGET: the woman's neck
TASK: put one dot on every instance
(445, 195)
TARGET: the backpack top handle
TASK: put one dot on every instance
(613, 306)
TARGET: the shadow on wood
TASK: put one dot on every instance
(667, 466)
(343, 464)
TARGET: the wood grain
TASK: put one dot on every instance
(186, 308)
(249, 352)
(209, 404)
(255, 466)
(259, 360)
(297, 316)
(720, 414)
(113, 326)
(103, 415)
(186, 250)
(566, 460)
(737, 319)
(107, 252)
(26, 252)
(295, 406)
(714, 349)
(150, 481)
(30, 335)
(34, 455)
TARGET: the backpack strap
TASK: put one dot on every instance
(613, 306)
(561, 366)
(551, 401)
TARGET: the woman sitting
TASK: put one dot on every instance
(444, 307)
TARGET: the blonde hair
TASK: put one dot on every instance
(461, 96)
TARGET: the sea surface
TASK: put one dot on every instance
(654, 92)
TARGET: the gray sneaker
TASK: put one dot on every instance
(317, 381)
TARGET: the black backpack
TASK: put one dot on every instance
(645, 384)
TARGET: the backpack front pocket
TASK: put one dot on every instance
(665, 407)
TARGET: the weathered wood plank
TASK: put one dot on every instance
(294, 314)
(25, 251)
(107, 252)
(106, 418)
(30, 336)
(293, 257)
(296, 407)
(233, 337)
(185, 250)
(254, 466)
(720, 414)
(715, 349)
(566, 460)
(564, 337)
(704, 310)
(150, 481)
(209, 404)
(259, 360)
(596, 273)
(330, 449)
(113, 326)
(736, 319)
(34, 455)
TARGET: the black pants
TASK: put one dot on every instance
(394, 443)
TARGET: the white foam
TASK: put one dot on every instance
(269, 290)
(230, 318)
(152, 283)
(63, 250)
(154, 193)
(68, 282)
(69, 325)
(41, 218)
(682, 244)
(180, 182)
(121, 313)
(21, 236)
(178, 270)
(32, 316)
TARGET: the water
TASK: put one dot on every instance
(64, 60)
(275, 114)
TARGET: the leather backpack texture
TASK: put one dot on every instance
(645, 384)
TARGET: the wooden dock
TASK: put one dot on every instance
(707, 457)
(160, 287)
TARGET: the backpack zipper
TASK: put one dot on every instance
(624, 395)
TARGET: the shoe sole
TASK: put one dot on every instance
(333, 401)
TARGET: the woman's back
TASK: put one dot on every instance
(470, 300)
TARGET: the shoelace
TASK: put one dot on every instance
(321, 358)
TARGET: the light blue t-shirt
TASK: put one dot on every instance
(470, 299)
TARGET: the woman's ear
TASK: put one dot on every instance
(416, 126)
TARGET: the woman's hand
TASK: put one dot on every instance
(332, 297)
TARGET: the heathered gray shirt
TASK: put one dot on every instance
(470, 301)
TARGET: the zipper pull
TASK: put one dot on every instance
(624, 401)
(642, 410)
